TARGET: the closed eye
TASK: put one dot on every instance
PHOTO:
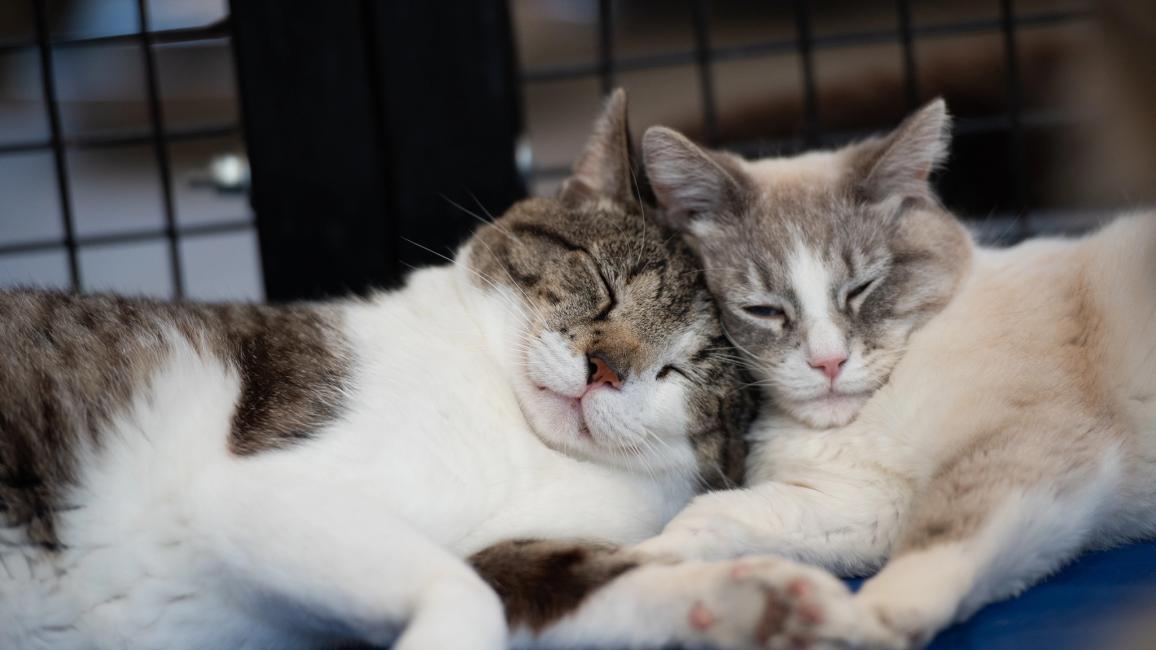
(764, 311)
(612, 299)
(858, 290)
(666, 370)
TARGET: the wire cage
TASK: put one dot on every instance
(991, 173)
(374, 127)
(51, 43)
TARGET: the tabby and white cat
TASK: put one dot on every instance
(965, 419)
(226, 476)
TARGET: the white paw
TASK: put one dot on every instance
(778, 604)
(702, 531)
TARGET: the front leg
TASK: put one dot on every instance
(561, 594)
(844, 525)
(324, 559)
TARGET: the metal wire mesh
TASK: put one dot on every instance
(157, 135)
(806, 44)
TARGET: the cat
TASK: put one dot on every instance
(962, 420)
(182, 475)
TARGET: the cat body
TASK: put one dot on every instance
(161, 479)
(963, 420)
(199, 476)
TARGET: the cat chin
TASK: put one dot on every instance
(562, 426)
(826, 412)
(558, 422)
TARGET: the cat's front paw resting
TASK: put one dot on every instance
(769, 603)
(775, 603)
(712, 527)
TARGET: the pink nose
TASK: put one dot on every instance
(831, 366)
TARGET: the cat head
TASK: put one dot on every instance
(619, 355)
(823, 263)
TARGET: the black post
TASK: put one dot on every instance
(364, 119)
(452, 108)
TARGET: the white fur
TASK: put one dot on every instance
(357, 532)
(810, 393)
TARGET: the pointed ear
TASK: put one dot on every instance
(604, 168)
(689, 184)
(901, 162)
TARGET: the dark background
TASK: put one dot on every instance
(372, 129)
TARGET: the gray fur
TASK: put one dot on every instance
(876, 213)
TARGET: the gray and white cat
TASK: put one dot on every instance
(227, 476)
(965, 419)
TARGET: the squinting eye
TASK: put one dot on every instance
(859, 290)
(764, 311)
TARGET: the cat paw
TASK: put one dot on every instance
(702, 531)
(772, 603)
(777, 604)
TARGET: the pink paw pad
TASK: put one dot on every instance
(811, 613)
(700, 617)
(799, 588)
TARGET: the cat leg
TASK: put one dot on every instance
(561, 594)
(845, 526)
(333, 560)
(985, 530)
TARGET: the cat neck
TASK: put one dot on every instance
(450, 307)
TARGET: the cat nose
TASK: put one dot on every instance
(829, 365)
(602, 371)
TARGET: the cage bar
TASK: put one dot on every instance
(1014, 115)
(48, 86)
(161, 36)
(907, 41)
(160, 149)
(606, 45)
(544, 74)
(805, 45)
(700, 18)
(128, 237)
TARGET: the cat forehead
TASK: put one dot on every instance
(816, 170)
(773, 226)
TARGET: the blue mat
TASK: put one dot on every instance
(1072, 610)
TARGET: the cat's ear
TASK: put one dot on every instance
(604, 168)
(900, 163)
(690, 185)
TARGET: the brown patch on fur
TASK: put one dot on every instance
(70, 363)
(723, 460)
(541, 581)
(292, 374)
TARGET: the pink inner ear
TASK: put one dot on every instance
(923, 172)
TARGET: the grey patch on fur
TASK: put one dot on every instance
(878, 213)
(70, 363)
(541, 581)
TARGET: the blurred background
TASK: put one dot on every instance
(284, 150)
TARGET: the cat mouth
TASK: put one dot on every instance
(835, 398)
(840, 396)
(573, 405)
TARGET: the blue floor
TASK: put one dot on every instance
(1072, 610)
